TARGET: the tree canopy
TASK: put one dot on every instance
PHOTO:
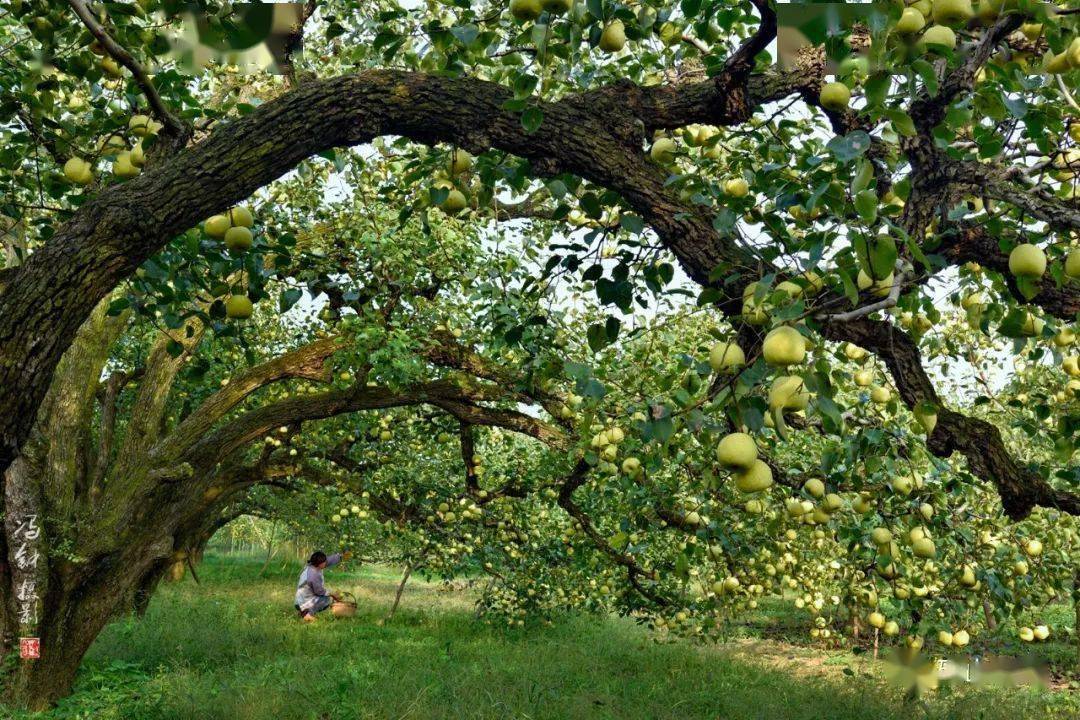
(594, 298)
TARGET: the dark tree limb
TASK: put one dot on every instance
(742, 60)
(306, 362)
(927, 111)
(175, 128)
(467, 444)
(1021, 489)
(970, 242)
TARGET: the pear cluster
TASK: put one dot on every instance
(458, 163)
(738, 452)
(234, 229)
(127, 162)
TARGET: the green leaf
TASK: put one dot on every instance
(916, 251)
(866, 204)
(876, 88)
(863, 175)
(632, 223)
(830, 413)
(901, 121)
(928, 75)
(595, 272)
(848, 147)
(288, 298)
(851, 290)
(598, 338)
(467, 34)
(531, 119)
(861, 245)
(682, 566)
(334, 30)
(590, 203)
(1013, 324)
(666, 272)
(611, 327)
(690, 8)
(118, 306)
(1029, 287)
(883, 256)
(661, 429)
(524, 85)
(384, 39)
(438, 195)
(1017, 106)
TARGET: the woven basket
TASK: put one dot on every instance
(344, 608)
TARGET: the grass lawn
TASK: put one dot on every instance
(231, 648)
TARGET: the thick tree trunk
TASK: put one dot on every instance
(77, 605)
(66, 634)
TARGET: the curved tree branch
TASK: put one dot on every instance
(216, 446)
(1021, 489)
(595, 134)
(307, 362)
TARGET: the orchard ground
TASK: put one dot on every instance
(230, 648)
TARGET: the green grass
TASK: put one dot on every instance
(231, 648)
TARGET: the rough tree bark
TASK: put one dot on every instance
(101, 548)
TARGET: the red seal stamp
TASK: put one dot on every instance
(29, 648)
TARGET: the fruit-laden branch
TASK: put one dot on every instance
(122, 56)
(596, 135)
(447, 352)
(387, 506)
(1021, 489)
(890, 300)
(1039, 202)
(340, 456)
(532, 207)
(928, 111)
(306, 362)
(971, 242)
(467, 411)
(634, 571)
